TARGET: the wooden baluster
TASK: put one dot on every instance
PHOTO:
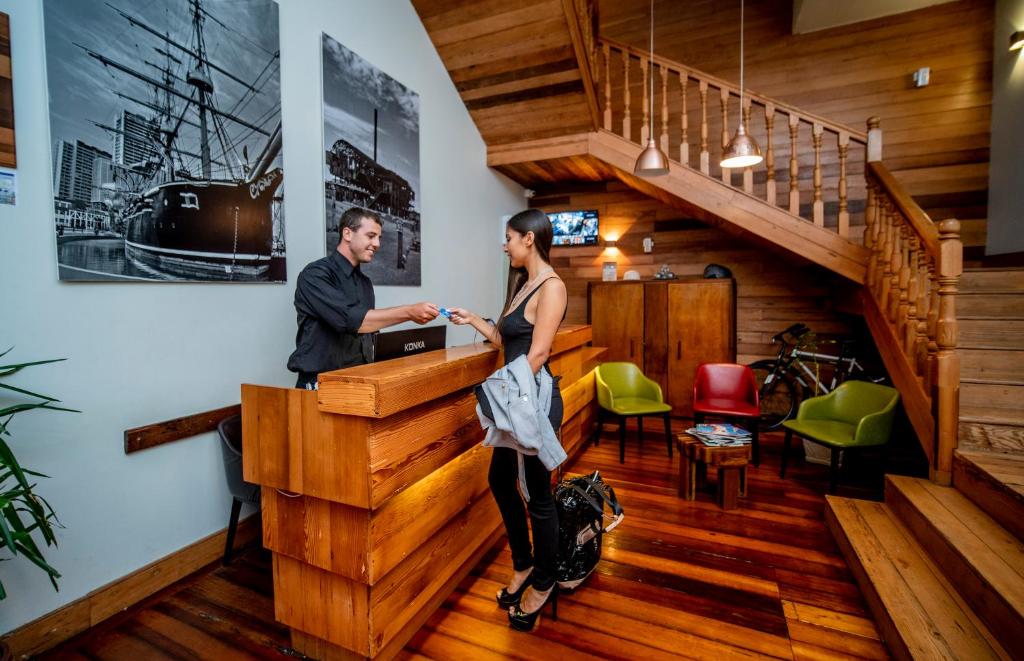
(893, 302)
(933, 325)
(645, 127)
(705, 158)
(748, 172)
(684, 121)
(870, 235)
(844, 215)
(769, 154)
(910, 327)
(947, 360)
(885, 268)
(724, 98)
(607, 87)
(921, 350)
(627, 132)
(664, 108)
(794, 165)
(903, 304)
(818, 207)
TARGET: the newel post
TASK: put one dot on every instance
(947, 382)
(874, 147)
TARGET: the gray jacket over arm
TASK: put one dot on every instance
(519, 403)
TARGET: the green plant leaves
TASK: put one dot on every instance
(22, 511)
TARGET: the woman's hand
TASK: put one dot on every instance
(461, 316)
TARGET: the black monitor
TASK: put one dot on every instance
(408, 342)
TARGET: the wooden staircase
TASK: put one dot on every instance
(942, 577)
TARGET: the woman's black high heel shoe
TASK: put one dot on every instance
(522, 621)
(508, 599)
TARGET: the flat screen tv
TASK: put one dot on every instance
(574, 228)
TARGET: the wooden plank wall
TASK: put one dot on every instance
(773, 289)
(936, 138)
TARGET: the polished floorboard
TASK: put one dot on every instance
(677, 580)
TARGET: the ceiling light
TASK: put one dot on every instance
(742, 151)
(652, 162)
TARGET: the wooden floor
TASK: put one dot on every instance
(676, 580)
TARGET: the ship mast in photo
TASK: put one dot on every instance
(190, 200)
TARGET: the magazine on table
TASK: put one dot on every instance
(720, 434)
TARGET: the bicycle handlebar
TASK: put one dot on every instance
(796, 330)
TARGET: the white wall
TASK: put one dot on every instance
(140, 353)
(1005, 229)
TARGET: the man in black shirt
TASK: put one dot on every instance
(335, 304)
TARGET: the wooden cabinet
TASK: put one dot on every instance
(667, 328)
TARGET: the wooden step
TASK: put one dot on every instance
(979, 557)
(921, 616)
(990, 437)
(977, 280)
(1002, 304)
(991, 394)
(991, 365)
(994, 481)
(991, 334)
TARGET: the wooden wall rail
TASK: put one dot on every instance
(158, 433)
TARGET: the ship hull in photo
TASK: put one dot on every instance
(205, 231)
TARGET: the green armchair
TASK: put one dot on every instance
(855, 415)
(624, 391)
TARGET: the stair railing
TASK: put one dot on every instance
(824, 179)
(913, 276)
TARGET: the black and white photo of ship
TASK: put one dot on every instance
(166, 124)
(371, 159)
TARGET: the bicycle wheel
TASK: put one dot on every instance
(778, 397)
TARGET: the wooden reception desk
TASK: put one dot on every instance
(375, 496)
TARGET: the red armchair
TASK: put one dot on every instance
(728, 391)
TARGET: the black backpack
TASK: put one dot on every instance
(580, 502)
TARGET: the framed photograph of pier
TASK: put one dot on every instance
(7, 154)
(165, 121)
(372, 159)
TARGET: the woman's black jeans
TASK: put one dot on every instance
(504, 477)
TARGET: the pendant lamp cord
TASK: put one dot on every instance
(650, 128)
(741, 62)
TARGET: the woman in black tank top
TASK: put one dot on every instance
(534, 290)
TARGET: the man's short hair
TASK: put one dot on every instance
(353, 219)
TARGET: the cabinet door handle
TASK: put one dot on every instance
(679, 350)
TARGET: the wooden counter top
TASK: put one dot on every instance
(381, 389)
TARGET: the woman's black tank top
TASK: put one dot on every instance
(517, 332)
(516, 338)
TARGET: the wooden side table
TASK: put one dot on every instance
(695, 458)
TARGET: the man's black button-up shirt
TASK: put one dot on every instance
(331, 298)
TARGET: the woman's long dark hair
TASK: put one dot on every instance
(531, 220)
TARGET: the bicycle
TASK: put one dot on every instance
(778, 378)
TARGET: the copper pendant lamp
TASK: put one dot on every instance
(652, 162)
(742, 151)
